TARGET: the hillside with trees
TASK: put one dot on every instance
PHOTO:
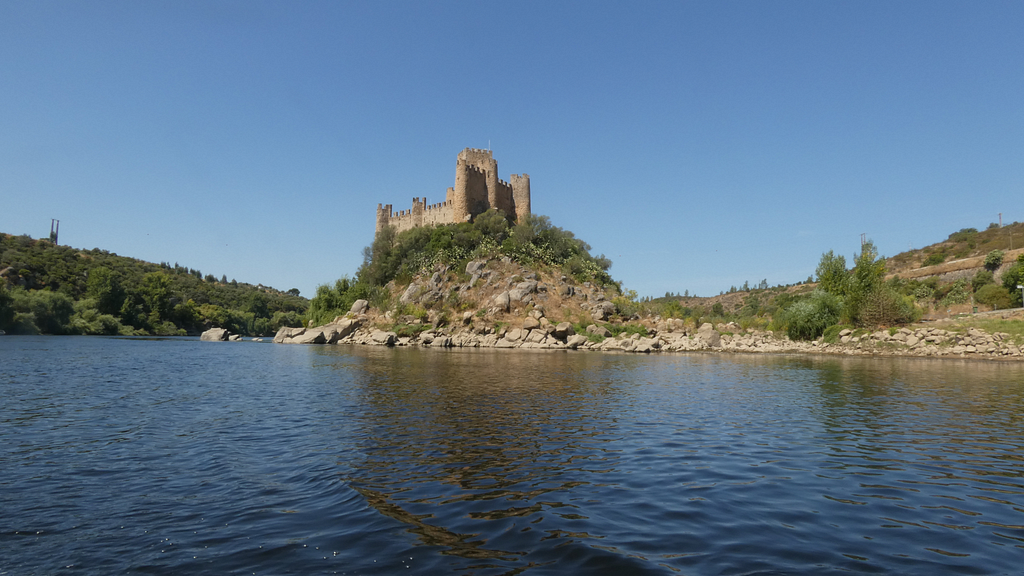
(51, 289)
(395, 259)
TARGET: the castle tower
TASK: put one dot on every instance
(383, 216)
(520, 194)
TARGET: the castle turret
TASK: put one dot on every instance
(383, 217)
(521, 194)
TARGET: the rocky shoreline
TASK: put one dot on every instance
(505, 305)
(922, 342)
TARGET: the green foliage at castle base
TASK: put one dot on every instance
(52, 289)
(400, 256)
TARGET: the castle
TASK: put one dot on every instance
(477, 189)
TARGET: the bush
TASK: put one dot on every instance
(886, 307)
(958, 293)
(982, 278)
(994, 260)
(964, 235)
(934, 259)
(808, 318)
(1012, 277)
(398, 256)
(42, 311)
(994, 295)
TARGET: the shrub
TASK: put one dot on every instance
(982, 278)
(886, 307)
(808, 318)
(934, 259)
(993, 295)
(1012, 277)
(964, 235)
(958, 294)
(994, 260)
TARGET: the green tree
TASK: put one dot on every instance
(6, 308)
(104, 287)
(1013, 277)
(42, 311)
(156, 294)
(832, 274)
(257, 304)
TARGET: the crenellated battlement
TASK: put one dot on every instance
(477, 189)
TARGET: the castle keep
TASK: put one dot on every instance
(477, 189)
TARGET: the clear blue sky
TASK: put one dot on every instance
(696, 144)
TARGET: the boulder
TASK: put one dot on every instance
(359, 307)
(536, 336)
(340, 329)
(531, 323)
(603, 310)
(384, 338)
(410, 294)
(709, 335)
(214, 335)
(311, 336)
(563, 330)
(235, 338)
(599, 331)
(503, 301)
(285, 333)
(576, 341)
(475, 267)
(514, 335)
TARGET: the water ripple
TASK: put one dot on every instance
(175, 456)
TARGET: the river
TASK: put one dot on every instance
(174, 456)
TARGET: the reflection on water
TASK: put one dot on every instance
(309, 460)
(790, 463)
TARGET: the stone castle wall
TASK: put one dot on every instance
(477, 189)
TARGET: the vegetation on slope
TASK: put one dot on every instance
(858, 297)
(964, 243)
(62, 290)
(397, 257)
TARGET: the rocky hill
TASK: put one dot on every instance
(963, 249)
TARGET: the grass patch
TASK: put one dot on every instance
(1015, 328)
(409, 330)
(627, 329)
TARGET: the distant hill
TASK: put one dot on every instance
(965, 244)
(63, 290)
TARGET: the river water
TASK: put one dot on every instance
(174, 456)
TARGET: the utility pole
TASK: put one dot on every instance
(863, 239)
(54, 229)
